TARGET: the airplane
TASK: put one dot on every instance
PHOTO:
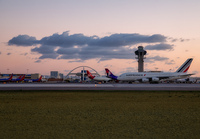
(183, 80)
(6, 79)
(98, 78)
(33, 80)
(110, 74)
(187, 80)
(19, 79)
(154, 77)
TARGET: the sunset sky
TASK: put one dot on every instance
(39, 36)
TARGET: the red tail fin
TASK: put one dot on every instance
(90, 75)
(10, 78)
(107, 71)
(40, 78)
(22, 78)
(19, 77)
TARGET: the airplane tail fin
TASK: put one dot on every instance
(185, 66)
(19, 77)
(10, 78)
(90, 75)
(110, 74)
(22, 78)
(40, 78)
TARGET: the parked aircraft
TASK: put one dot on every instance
(33, 80)
(154, 76)
(110, 74)
(98, 78)
(188, 80)
(6, 79)
(19, 79)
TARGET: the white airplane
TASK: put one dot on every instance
(183, 80)
(98, 78)
(154, 76)
(188, 80)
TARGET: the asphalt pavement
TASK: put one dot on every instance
(81, 86)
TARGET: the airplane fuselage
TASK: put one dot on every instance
(148, 76)
(100, 78)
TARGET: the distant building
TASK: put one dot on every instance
(61, 75)
(35, 76)
(54, 74)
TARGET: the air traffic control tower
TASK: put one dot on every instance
(140, 53)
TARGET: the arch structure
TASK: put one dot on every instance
(83, 68)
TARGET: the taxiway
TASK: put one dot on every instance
(79, 86)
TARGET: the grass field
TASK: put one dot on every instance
(99, 114)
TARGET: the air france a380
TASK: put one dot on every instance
(153, 76)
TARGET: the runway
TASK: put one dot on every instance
(81, 86)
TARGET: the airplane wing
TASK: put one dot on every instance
(176, 77)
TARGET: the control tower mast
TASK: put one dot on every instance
(140, 56)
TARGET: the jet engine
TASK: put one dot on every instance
(145, 80)
(154, 79)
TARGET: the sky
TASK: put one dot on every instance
(39, 36)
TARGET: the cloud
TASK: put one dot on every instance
(44, 49)
(38, 61)
(49, 56)
(158, 58)
(118, 40)
(24, 54)
(170, 62)
(66, 40)
(76, 61)
(23, 40)
(177, 39)
(80, 47)
(47, 52)
(161, 46)
(183, 40)
(130, 69)
(108, 65)
(155, 58)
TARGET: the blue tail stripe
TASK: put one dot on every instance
(184, 65)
